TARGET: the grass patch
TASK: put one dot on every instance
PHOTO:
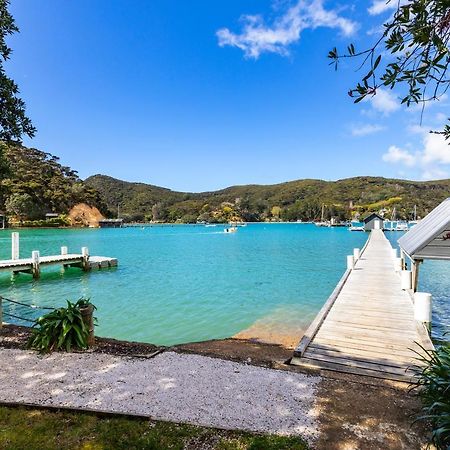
(36, 429)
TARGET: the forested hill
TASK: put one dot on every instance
(294, 200)
(33, 183)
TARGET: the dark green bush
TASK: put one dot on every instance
(60, 221)
(434, 391)
(61, 329)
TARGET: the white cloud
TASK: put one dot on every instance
(438, 103)
(257, 37)
(432, 160)
(398, 155)
(436, 149)
(380, 6)
(365, 130)
(441, 117)
(434, 174)
(384, 101)
(416, 128)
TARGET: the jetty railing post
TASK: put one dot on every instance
(350, 262)
(398, 264)
(402, 255)
(85, 255)
(35, 258)
(415, 273)
(406, 280)
(64, 250)
(15, 245)
(423, 308)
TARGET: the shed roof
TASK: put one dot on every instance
(371, 217)
(430, 227)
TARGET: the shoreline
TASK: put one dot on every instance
(148, 224)
(268, 332)
(351, 410)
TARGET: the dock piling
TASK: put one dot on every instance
(15, 245)
(356, 254)
(85, 263)
(35, 258)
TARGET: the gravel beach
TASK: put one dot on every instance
(176, 387)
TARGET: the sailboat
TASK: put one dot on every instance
(390, 222)
(414, 221)
(397, 225)
(322, 223)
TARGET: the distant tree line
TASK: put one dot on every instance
(298, 200)
(33, 183)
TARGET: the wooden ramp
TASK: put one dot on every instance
(367, 326)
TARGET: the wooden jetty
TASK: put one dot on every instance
(33, 265)
(367, 326)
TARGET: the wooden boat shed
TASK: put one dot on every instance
(110, 223)
(429, 239)
(373, 222)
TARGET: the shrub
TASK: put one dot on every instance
(434, 384)
(61, 329)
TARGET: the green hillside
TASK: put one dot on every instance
(294, 200)
(33, 183)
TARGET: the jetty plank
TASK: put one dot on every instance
(364, 352)
(367, 326)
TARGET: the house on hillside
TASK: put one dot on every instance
(373, 222)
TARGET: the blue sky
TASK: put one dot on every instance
(199, 95)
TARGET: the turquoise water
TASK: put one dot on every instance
(186, 283)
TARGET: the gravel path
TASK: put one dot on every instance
(175, 387)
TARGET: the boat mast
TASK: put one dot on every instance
(393, 214)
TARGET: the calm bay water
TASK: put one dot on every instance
(181, 283)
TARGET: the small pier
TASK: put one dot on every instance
(33, 265)
(367, 326)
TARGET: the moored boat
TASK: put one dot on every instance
(401, 226)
